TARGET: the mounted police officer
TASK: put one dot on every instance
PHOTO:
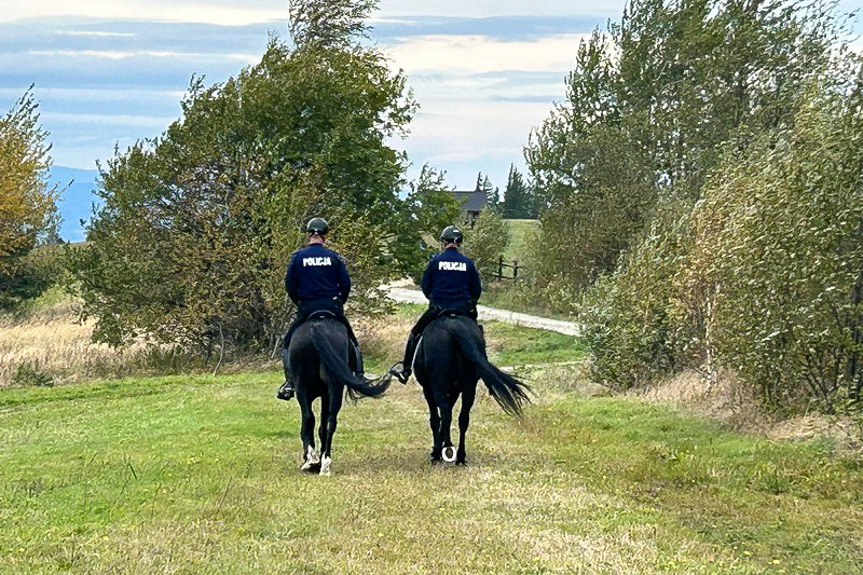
(316, 281)
(452, 285)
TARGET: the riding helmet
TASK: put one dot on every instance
(318, 226)
(451, 234)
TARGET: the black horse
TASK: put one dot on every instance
(450, 360)
(319, 364)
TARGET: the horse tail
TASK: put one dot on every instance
(507, 391)
(337, 368)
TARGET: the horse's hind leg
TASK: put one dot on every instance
(307, 433)
(467, 398)
(335, 405)
(434, 423)
(447, 449)
(445, 404)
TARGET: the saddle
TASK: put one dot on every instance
(322, 314)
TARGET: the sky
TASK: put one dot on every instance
(110, 72)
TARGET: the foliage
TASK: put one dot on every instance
(197, 225)
(762, 276)
(483, 184)
(650, 105)
(518, 199)
(486, 241)
(788, 285)
(28, 212)
(29, 373)
(703, 179)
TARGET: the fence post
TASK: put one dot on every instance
(500, 268)
(514, 270)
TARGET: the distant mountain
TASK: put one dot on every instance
(76, 202)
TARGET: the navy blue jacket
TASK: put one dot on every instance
(316, 272)
(451, 280)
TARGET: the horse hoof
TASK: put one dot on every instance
(312, 462)
(325, 466)
(449, 454)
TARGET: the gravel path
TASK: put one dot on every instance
(406, 295)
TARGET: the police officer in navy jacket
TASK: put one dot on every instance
(452, 284)
(316, 280)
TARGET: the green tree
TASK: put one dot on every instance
(483, 184)
(650, 106)
(28, 212)
(432, 208)
(486, 241)
(198, 224)
(517, 197)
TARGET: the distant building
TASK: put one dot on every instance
(472, 203)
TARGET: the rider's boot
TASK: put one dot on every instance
(358, 355)
(403, 374)
(286, 391)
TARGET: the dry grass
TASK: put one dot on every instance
(47, 345)
(730, 403)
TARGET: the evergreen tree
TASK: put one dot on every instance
(483, 184)
(517, 200)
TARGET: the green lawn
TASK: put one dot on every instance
(198, 475)
(519, 237)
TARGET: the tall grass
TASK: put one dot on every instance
(43, 343)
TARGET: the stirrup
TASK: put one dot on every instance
(399, 374)
(286, 391)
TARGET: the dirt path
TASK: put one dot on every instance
(406, 295)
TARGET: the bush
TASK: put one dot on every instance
(486, 241)
(29, 374)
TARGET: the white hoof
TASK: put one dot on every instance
(448, 453)
(325, 465)
(312, 457)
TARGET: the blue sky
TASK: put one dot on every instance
(110, 72)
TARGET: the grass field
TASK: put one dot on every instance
(199, 475)
(196, 475)
(519, 238)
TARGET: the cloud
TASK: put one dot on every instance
(598, 9)
(218, 12)
(94, 33)
(122, 55)
(143, 121)
(480, 54)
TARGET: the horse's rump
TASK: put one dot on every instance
(458, 332)
(325, 340)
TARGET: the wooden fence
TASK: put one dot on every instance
(503, 265)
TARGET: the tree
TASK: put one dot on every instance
(650, 105)
(432, 208)
(518, 201)
(198, 224)
(485, 242)
(483, 184)
(28, 212)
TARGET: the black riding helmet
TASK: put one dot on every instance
(451, 234)
(318, 226)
